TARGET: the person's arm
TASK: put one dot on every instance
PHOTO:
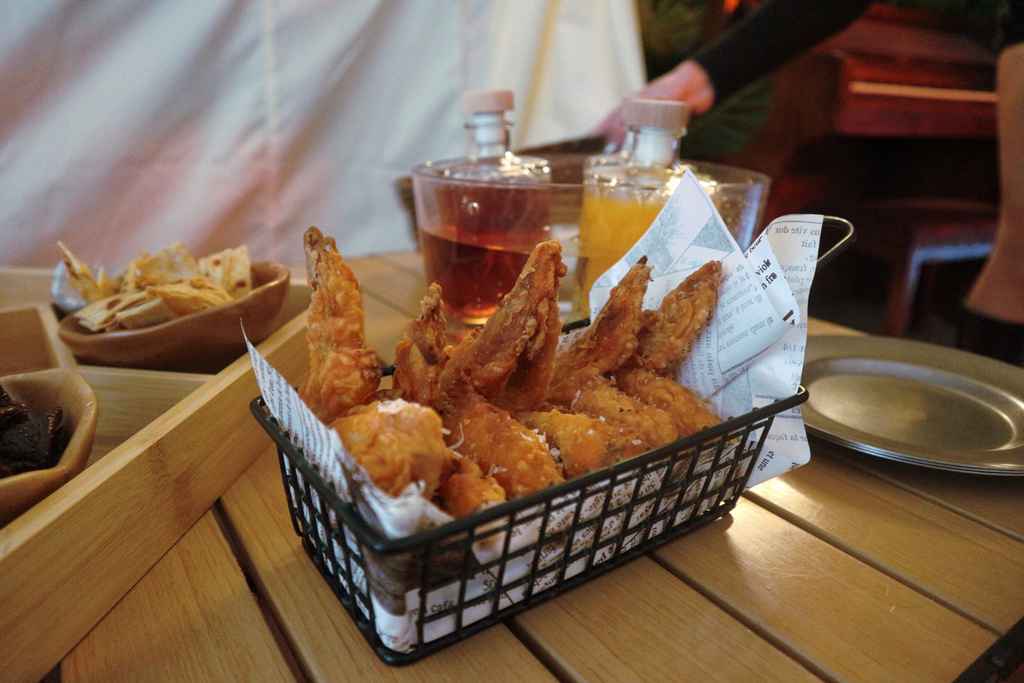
(773, 34)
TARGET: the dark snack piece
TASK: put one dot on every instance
(34, 444)
(12, 412)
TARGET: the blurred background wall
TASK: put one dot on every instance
(125, 126)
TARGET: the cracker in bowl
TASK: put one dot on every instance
(156, 288)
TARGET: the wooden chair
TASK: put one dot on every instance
(911, 233)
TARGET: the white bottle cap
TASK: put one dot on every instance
(479, 101)
(668, 114)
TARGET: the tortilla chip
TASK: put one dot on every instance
(107, 285)
(130, 277)
(152, 312)
(158, 287)
(230, 269)
(80, 276)
(101, 316)
(171, 264)
(189, 297)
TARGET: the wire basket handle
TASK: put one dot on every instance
(847, 237)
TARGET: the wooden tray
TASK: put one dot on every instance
(167, 445)
(28, 337)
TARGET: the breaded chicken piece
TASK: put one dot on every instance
(608, 342)
(599, 398)
(514, 455)
(516, 338)
(689, 414)
(667, 333)
(398, 443)
(421, 354)
(528, 385)
(583, 443)
(468, 489)
(343, 373)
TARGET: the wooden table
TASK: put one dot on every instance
(850, 568)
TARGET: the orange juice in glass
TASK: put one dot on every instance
(611, 222)
(623, 194)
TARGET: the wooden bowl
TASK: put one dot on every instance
(206, 341)
(41, 391)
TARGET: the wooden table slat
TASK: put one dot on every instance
(640, 623)
(326, 641)
(191, 617)
(977, 571)
(835, 614)
(995, 501)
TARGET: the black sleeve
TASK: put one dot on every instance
(773, 34)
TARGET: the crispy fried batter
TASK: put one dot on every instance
(342, 372)
(513, 454)
(468, 489)
(528, 384)
(583, 443)
(508, 361)
(398, 443)
(608, 342)
(599, 398)
(516, 340)
(689, 414)
(421, 354)
(667, 333)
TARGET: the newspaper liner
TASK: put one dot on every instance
(750, 355)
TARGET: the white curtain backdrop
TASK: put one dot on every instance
(126, 125)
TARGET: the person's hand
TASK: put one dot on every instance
(688, 83)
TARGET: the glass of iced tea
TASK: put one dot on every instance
(476, 235)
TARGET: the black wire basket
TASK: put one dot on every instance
(415, 595)
(418, 594)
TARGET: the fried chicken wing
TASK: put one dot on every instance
(398, 443)
(527, 386)
(516, 340)
(689, 414)
(513, 454)
(342, 372)
(421, 354)
(608, 342)
(667, 333)
(583, 443)
(468, 489)
(599, 398)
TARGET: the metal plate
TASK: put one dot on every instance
(916, 403)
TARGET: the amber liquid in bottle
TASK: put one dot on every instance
(480, 217)
(482, 243)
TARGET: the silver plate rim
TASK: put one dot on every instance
(823, 349)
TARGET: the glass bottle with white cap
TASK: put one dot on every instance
(480, 216)
(489, 128)
(625, 192)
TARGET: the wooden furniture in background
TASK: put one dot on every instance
(900, 104)
(890, 124)
(913, 233)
